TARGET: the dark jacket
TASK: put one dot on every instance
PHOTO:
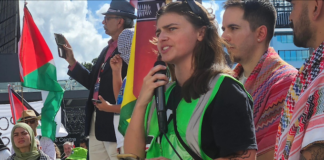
(104, 128)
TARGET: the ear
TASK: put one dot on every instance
(201, 33)
(121, 23)
(261, 33)
(317, 9)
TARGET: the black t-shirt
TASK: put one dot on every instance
(228, 125)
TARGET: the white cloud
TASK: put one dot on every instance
(215, 7)
(211, 5)
(103, 9)
(75, 22)
(221, 21)
(222, 14)
(93, 18)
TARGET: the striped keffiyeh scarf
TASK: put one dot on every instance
(302, 121)
(268, 84)
(124, 43)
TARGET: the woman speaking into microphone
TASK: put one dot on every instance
(209, 113)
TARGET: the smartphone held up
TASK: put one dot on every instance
(96, 101)
(60, 41)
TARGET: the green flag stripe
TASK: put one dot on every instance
(44, 78)
(125, 113)
(52, 105)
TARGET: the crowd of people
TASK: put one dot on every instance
(26, 145)
(261, 109)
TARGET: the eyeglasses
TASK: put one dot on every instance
(109, 18)
(32, 121)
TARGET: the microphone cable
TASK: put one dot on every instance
(172, 146)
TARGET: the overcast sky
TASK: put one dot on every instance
(80, 22)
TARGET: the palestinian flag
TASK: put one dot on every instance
(142, 57)
(38, 71)
(17, 105)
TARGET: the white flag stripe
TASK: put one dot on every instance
(60, 129)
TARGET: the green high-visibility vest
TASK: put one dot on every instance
(189, 122)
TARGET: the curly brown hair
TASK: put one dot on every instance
(208, 58)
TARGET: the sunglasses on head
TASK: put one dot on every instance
(32, 121)
(194, 7)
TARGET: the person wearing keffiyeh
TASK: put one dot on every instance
(301, 129)
(248, 28)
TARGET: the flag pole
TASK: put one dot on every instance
(12, 104)
(22, 99)
(22, 88)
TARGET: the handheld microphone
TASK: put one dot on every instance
(160, 102)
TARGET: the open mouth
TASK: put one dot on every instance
(165, 48)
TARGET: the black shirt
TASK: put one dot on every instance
(228, 125)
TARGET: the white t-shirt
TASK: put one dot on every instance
(48, 147)
(4, 154)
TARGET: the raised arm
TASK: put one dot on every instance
(135, 135)
(76, 70)
(116, 64)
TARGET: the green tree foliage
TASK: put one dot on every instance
(94, 61)
(87, 65)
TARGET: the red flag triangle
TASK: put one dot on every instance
(17, 106)
(34, 51)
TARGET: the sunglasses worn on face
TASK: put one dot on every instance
(32, 121)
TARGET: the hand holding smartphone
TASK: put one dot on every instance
(60, 41)
(96, 101)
